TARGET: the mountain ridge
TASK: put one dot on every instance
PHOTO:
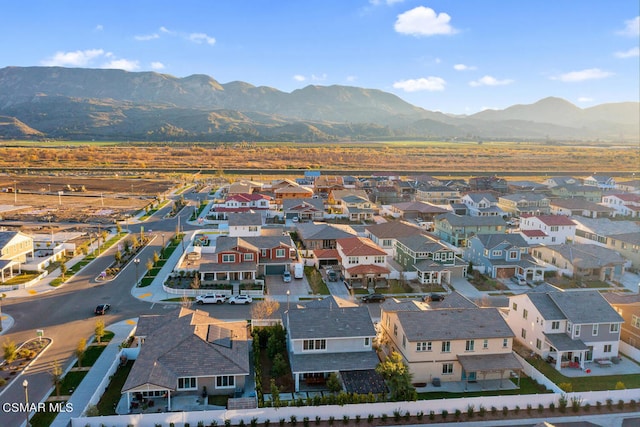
(118, 104)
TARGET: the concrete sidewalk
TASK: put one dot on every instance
(80, 398)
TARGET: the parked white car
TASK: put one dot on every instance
(211, 299)
(240, 299)
(286, 277)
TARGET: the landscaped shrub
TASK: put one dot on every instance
(345, 419)
(482, 411)
(407, 415)
(505, 410)
(587, 407)
(620, 386)
(445, 413)
(576, 402)
(318, 419)
(599, 406)
(517, 410)
(254, 422)
(620, 404)
(305, 421)
(552, 407)
(282, 421)
(633, 403)
(562, 403)
(383, 418)
(331, 420)
(396, 415)
(358, 419)
(293, 420)
(494, 410)
(419, 415)
(470, 411)
(370, 418)
(457, 414)
(609, 404)
(540, 407)
(529, 408)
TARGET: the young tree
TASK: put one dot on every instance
(149, 264)
(63, 269)
(10, 350)
(118, 228)
(275, 393)
(81, 348)
(398, 377)
(56, 376)
(156, 257)
(333, 383)
(279, 366)
(118, 257)
(264, 309)
(99, 330)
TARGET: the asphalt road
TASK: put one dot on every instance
(66, 314)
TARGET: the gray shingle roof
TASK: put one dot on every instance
(585, 307)
(392, 229)
(245, 218)
(454, 324)
(188, 343)
(421, 243)
(490, 241)
(346, 322)
(313, 231)
(587, 255)
(474, 221)
(328, 362)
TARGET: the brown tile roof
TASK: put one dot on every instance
(368, 269)
(359, 246)
(552, 219)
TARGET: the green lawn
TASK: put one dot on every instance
(587, 383)
(91, 355)
(111, 397)
(43, 418)
(71, 381)
(527, 386)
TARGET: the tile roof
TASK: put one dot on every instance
(359, 246)
(587, 255)
(621, 298)
(533, 233)
(552, 219)
(368, 269)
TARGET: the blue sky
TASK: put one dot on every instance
(455, 56)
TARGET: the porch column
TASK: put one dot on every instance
(168, 400)
(297, 381)
(128, 402)
(583, 356)
(558, 360)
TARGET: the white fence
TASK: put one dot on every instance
(537, 375)
(630, 351)
(351, 411)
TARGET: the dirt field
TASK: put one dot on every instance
(95, 200)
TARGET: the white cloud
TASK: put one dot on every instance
(299, 78)
(463, 67)
(319, 78)
(165, 30)
(99, 27)
(631, 53)
(122, 64)
(489, 81)
(201, 38)
(632, 27)
(430, 84)
(423, 21)
(351, 79)
(157, 65)
(78, 58)
(147, 37)
(585, 99)
(582, 75)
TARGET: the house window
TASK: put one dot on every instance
(635, 321)
(280, 253)
(594, 330)
(352, 260)
(505, 343)
(607, 348)
(367, 341)
(387, 242)
(227, 381)
(525, 313)
(228, 258)
(308, 345)
(447, 368)
(253, 228)
(378, 259)
(264, 252)
(555, 325)
(187, 383)
(576, 331)
(423, 346)
(523, 333)
(404, 341)
(569, 327)
(496, 253)
(469, 345)
(538, 344)
(446, 346)
(513, 254)
(485, 344)
(615, 327)
(395, 330)
(248, 257)
(514, 306)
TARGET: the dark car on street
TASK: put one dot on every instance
(373, 298)
(102, 309)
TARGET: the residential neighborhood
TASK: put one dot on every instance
(466, 292)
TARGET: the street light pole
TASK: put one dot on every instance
(15, 192)
(162, 251)
(136, 262)
(1, 296)
(25, 384)
(288, 293)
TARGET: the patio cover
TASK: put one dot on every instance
(490, 362)
(363, 382)
(563, 342)
(332, 362)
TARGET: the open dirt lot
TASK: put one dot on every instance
(96, 200)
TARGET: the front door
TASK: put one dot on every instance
(468, 376)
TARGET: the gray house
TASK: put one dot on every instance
(568, 327)
(332, 335)
(457, 229)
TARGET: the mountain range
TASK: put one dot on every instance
(104, 104)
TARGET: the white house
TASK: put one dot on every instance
(557, 228)
(625, 204)
(362, 261)
(482, 204)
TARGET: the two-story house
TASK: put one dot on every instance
(242, 224)
(492, 183)
(244, 258)
(357, 208)
(482, 204)
(620, 236)
(427, 260)
(558, 229)
(332, 335)
(320, 235)
(568, 327)
(582, 261)
(628, 306)
(438, 194)
(363, 263)
(519, 204)
(457, 229)
(503, 256)
(15, 247)
(292, 192)
(244, 202)
(385, 234)
(561, 181)
(183, 352)
(420, 211)
(309, 209)
(625, 204)
(580, 207)
(587, 192)
(604, 182)
(443, 340)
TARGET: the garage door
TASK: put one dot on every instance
(504, 273)
(273, 270)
